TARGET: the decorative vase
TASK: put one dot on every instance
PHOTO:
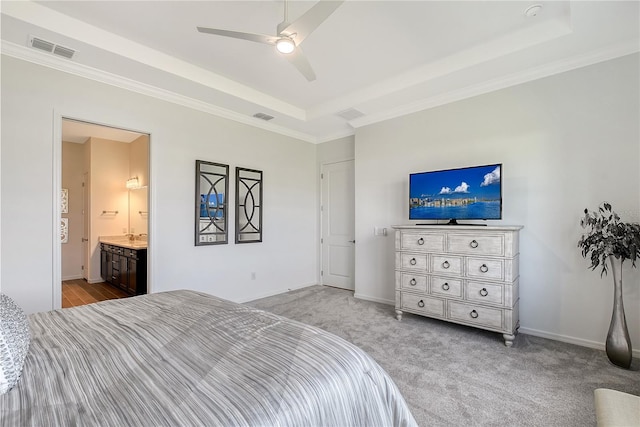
(618, 344)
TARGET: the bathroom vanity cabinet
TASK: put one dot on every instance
(124, 267)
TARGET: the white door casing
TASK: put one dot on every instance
(338, 224)
(85, 225)
(56, 185)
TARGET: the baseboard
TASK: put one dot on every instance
(92, 281)
(570, 340)
(76, 277)
(277, 292)
(374, 299)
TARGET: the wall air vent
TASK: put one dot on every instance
(50, 47)
(350, 114)
(263, 116)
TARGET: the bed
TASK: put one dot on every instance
(184, 358)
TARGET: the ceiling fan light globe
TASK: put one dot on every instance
(285, 45)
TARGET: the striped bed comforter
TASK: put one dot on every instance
(184, 358)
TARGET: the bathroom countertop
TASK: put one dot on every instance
(124, 242)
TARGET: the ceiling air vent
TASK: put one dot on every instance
(350, 114)
(263, 116)
(50, 47)
(64, 51)
(41, 44)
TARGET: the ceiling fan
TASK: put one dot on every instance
(289, 36)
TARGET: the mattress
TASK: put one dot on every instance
(184, 358)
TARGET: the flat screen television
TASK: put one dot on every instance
(469, 193)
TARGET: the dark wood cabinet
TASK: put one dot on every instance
(124, 268)
(132, 275)
(105, 260)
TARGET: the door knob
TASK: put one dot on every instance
(352, 241)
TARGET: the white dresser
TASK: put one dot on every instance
(462, 274)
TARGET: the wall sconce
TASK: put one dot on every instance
(133, 183)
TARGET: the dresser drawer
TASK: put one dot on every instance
(413, 282)
(446, 264)
(413, 261)
(469, 313)
(446, 287)
(428, 242)
(476, 244)
(485, 293)
(422, 304)
(485, 268)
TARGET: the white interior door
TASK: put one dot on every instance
(338, 224)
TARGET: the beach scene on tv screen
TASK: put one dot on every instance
(468, 193)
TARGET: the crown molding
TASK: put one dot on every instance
(556, 67)
(47, 60)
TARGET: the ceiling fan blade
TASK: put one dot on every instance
(308, 22)
(299, 61)
(258, 38)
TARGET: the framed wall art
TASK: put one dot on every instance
(211, 213)
(248, 205)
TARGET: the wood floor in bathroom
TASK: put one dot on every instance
(79, 292)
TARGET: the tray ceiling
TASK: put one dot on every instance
(373, 59)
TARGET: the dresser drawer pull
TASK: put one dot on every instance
(484, 292)
(412, 261)
(421, 241)
(445, 264)
(420, 303)
(445, 286)
(473, 314)
(412, 282)
(473, 244)
(484, 268)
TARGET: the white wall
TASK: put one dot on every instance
(335, 151)
(33, 95)
(566, 142)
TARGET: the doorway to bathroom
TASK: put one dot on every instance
(104, 212)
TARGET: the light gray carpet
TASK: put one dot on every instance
(452, 375)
